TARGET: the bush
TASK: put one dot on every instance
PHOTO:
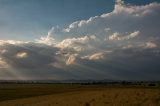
(152, 84)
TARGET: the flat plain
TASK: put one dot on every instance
(77, 95)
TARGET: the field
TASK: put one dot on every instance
(77, 95)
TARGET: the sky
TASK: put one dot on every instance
(30, 19)
(79, 39)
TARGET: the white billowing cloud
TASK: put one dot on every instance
(95, 56)
(124, 18)
(71, 59)
(49, 40)
(21, 55)
(132, 35)
(150, 45)
(115, 36)
(73, 25)
(2, 42)
(46, 40)
(119, 2)
(120, 8)
(70, 41)
(76, 44)
(127, 25)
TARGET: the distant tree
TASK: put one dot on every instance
(152, 84)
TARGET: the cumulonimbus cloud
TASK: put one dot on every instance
(124, 18)
(103, 46)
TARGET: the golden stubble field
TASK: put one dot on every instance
(93, 97)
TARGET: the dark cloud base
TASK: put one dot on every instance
(129, 64)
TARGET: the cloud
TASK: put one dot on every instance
(27, 55)
(115, 36)
(124, 18)
(127, 31)
(2, 42)
(150, 45)
(33, 61)
(47, 39)
(71, 59)
(119, 2)
(21, 55)
(72, 42)
(95, 56)
(122, 44)
(77, 44)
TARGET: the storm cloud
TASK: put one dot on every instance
(122, 45)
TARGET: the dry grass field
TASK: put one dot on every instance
(76, 95)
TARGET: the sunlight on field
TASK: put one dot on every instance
(94, 97)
